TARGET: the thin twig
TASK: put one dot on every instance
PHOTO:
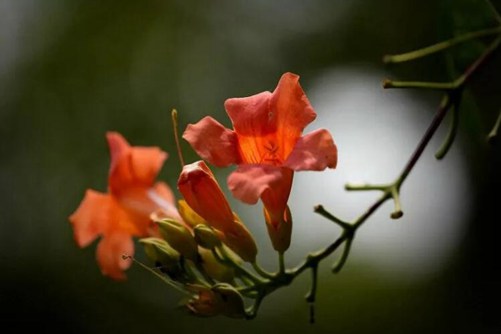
(412, 55)
(494, 132)
(451, 135)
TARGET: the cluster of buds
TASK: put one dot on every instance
(198, 243)
(201, 250)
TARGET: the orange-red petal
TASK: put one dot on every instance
(268, 125)
(250, 182)
(134, 206)
(251, 121)
(293, 111)
(91, 218)
(203, 194)
(315, 151)
(132, 166)
(213, 142)
(146, 163)
(109, 254)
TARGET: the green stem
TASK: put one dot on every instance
(419, 84)
(261, 271)
(440, 46)
(281, 263)
(252, 312)
(437, 119)
(344, 256)
(226, 259)
(326, 214)
(363, 217)
(494, 132)
(312, 294)
(459, 82)
(451, 135)
(365, 187)
(314, 258)
(447, 86)
(395, 194)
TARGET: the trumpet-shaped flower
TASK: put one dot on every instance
(267, 145)
(203, 194)
(124, 210)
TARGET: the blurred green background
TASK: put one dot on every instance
(72, 70)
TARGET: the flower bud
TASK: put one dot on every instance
(280, 234)
(239, 239)
(216, 269)
(160, 252)
(167, 259)
(179, 237)
(222, 299)
(231, 300)
(207, 237)
(203, 194)
(204, 303)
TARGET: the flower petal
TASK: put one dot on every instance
(293, 111)
(268, 125)
(253, 126)
(132, 166)
(249, 115)
(249, 182)
(146, 163)
(315, 151)
(119, 148)
(109, 254)
(213, 142)
(91, 218)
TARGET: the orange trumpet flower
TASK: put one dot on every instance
(125, 210)
(268, 146)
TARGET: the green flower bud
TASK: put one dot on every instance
(160, 252)
(179, 237)
(167, 259)
(206, 237)
(216, 269)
